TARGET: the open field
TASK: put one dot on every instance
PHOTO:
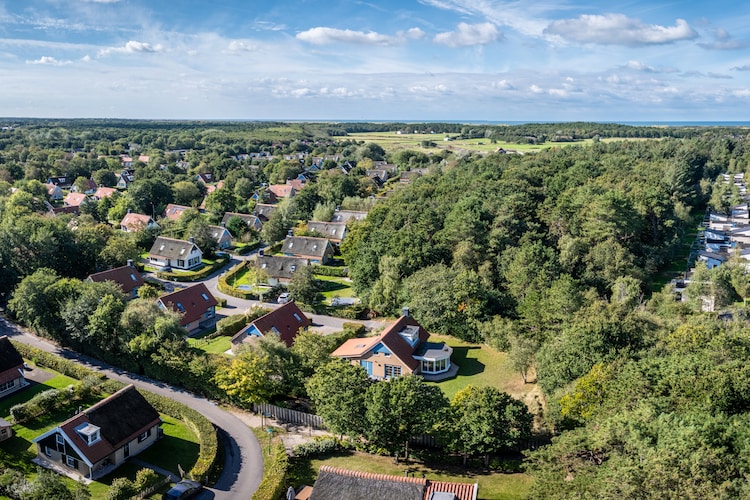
(392, 142)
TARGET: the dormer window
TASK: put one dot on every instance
(89, 433)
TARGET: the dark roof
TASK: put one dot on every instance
(126, 276)
(277, 266)
(347, 215)
(332, 230)
(264, 210)
(9, 356)
(286, 321)
(305, 245)
(192, 302)
(250, 219)
(342, 484)
(172, 248)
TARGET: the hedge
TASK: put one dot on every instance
(193, 275)
(335, 271)
(226, 288)
(318, 447)
(55, 362)
(42, 403)
(244, 250)
(273, 485)
(231, 324)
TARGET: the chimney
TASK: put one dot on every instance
(223, 224)
(129, 210)
(130, 263)
(405, 311)
(290, 233)
(191, 240)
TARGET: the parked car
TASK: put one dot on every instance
(283, 298)
(184, 489)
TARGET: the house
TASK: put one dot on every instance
(205, 178)
(6, 430)
(75, 199)
(347, 215)
(222, 236)
(298, 183)
(103, 192)
(279, 270)
(264, 211)
(285, 322)
(128, 277)
(65, 210)
(196, 305)
(90, 187)
(11, 368)
(125, 179)
(252, 221)
(334, 231)
(170, 252)
(400, 349)
(61, 181)
(316, 250)
(144, 159)
(137, 222)
(281, 191)
(711, 259)
(342, 484)
(173, 212)
(99, 439)
(54, 192)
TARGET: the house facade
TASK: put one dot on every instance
(128, 277)
(316, 250)
(170, 252)
(285, 322)
(400, 349)
(278, 269)
(222, 236)
(12, 376)
(195, 304)
(137, 222)
(99, 439)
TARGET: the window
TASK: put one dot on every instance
(126, 450)
(48, 451)
(7, 385)
(180, 263)
(392, 371)
(180, 307)
(182, 251)
(144, 436)
(296, 316)
(293, 268)
(59, 439)
(71, 462)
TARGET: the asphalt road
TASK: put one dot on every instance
(243, 463)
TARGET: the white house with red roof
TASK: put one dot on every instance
(195, 304)
(99, 439)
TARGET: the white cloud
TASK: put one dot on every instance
(101, 1)
(324, 36)
(132, 47)
(49, 61)
(618, 29)
(639, 66)
(414, 34)
(722, 40)
(469, 34)
(503, 85)
(242, 46)
(536, 89)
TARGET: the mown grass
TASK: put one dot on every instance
(216, 345)
(335, 287)
(392, 142)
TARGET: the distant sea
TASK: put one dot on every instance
(631, 123)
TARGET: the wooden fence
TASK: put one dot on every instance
(289, 416)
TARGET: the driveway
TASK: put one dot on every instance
(243, 462)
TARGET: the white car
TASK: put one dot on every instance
(283, 298)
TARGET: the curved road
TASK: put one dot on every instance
(243, 464)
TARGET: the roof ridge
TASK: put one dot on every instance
(109, 399)
(372, 475)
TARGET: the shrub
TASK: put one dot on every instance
(274, 477)
(122, 489)
(225, 287)
(353, 330)
(231, 324)
(42, 403)
(56, 363)
(335, 271)
(320, 446)
(193, 275)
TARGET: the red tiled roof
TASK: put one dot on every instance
(135, 221)
(463, 491)
(173, 211)
(104, 192)
(74, 199)
(372, 475)
(127, 277)
(10, 374)
(283, 320)
(281, 190)
(193, 301)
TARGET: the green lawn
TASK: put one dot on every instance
(392, 142)
(492, 485)
(216, 345)
(335, 287)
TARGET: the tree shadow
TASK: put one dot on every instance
(467, 366)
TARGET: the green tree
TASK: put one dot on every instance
(245, 378)
(338, 390)
(402, 408)
(522, 353)
(186, 193)
(304, 287)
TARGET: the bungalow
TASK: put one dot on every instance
(739, 234)
(264, 210)
(281, 191)
(196, 305)
(6, 430)
(11, 368)
(342, 484)
(205, 178)
(103, 192)
(169, 252)
(61, 181)
(75, 199)
(279, 270)
(285, 322)
(99, 439)
(347, 215)
(125, 179)
(222, 236)
(711, 259)
(316, 250)
(334, 231)
(137, 222)
(90, 187)
(54, 192)
(173, 212)
(252, 221)
(128, 277)
(400, 349)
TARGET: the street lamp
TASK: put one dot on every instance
(269, 430)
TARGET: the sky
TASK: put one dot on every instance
(412, 60)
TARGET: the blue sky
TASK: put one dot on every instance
(452, 60)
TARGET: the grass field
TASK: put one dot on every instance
(216, 345)
(335, 287)
(392, 142)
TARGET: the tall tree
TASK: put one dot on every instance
(338, 390)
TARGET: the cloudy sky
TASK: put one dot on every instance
(452, 60)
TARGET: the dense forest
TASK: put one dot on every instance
(554, 257)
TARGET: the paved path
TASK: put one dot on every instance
(243, 462)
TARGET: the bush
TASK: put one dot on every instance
(335, 271)
(274, 477)
(353, 330)
(354, 311)
(319, 447)
(193, 275)
(231, 324)
(54, 362)
(42, 403)
(225, 287)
